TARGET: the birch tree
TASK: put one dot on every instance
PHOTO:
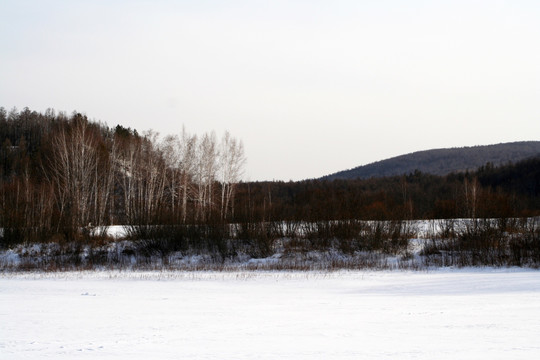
(179, 156)
(79, 175)
(232, 161)
(471, 190)
(205, 174)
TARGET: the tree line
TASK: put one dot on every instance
(66, 177)
(512, 190)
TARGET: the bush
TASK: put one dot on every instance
(486, 242)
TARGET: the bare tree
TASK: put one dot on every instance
(152, 177)
(188, 145)
(126, 164)
(104, 183)
(232, 161)
(205, 174)
(472, 190)
(171, 156)
(143, 179)
(74, 169)
(179, 157)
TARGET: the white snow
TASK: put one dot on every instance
(443, 314)
(114, 231)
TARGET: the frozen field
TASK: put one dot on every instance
(457, 314)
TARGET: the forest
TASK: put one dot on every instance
(64, 179)
(511, 190)
(63, 176)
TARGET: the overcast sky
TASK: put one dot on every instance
(311, 87)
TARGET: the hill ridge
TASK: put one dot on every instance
(443, 161)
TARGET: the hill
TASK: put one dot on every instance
(443, 161)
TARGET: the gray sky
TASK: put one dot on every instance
(311, 87)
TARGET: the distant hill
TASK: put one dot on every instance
(443, 161)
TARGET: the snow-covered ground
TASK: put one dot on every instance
(443, 314)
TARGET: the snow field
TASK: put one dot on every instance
(445, 314)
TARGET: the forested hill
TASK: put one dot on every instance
(443, 161)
